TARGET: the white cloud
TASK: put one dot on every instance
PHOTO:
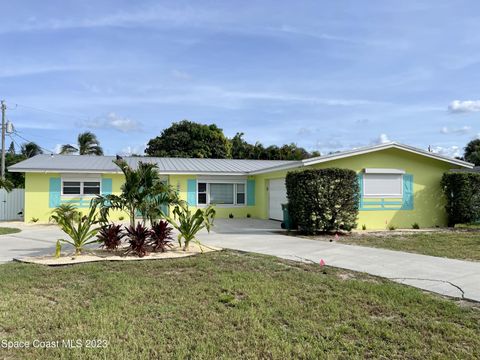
(381, 139)
(130, 150)
(451, 151)
(113, 121)
(456, 131)
(459, 106)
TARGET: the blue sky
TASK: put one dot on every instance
(327, 75)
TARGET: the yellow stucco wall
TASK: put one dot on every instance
(428, 198)
(429, 203)
(37, 195)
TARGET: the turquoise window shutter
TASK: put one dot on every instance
(250, 192)
(106, 186)
(55, 191)
(360, 185)
(407, 192)
(192, 192)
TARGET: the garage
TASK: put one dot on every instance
(277, 195)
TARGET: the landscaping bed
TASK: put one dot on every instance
(94, 255)
(8, 230)
(228, 305)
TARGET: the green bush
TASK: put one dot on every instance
(462, 191)
(323, 200)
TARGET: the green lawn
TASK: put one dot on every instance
(452, 244)
(229, 305)
(8, 230)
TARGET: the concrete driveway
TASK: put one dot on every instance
(444, 276)
(450, 277)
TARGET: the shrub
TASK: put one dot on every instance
(415, 226)
(138, 238)
(230, 216)
(364, 227)
(323, 200)
(392, 227)
(189, 224)
(34, 219)
(80, 228)
(249, 216)
(462, 191)
(110, 236)
(161, 236)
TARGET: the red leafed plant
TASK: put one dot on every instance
(138, 238)
(161, 236)
(111, 236)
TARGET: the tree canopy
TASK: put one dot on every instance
(472, 152)
(190, 139)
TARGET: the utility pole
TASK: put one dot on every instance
(4, 107)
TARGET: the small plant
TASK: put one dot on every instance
(80, 228)
(391, 227)
(415, 226)
(161, 236)
(364, 227)
(111, 236)
(189, 224)
(34, 219)
(138, 239)
(230, 216)
(121, 218)
(249, 216)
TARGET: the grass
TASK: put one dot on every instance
(463, 245)
(8, 230)
(228, 305)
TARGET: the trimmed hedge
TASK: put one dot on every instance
(462, 191)
(323, 200)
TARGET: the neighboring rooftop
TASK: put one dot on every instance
(92, 163)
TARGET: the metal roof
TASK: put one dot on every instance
(103, 164)
(366, 150)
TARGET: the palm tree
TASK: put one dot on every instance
(143, 193)
(87, 144)
(30, 149)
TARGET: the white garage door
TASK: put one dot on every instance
(277, 197)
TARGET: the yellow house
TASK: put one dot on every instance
(400, 184)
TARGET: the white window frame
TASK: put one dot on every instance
(232, 182)
(82, 182)
(382, 196)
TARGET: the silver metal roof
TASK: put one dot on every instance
(102, 164)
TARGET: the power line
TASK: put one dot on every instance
(27, 140)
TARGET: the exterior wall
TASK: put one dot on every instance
(428, 210)
(37, 195)
(179, 182)
(429, 204)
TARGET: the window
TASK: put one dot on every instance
(240, 194)
(70, 187)
(221, 193)
(202, 193)
(382, 185)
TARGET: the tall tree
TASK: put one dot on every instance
(192, 140)
(30, 149)
(11, 148)
(472, 152)
(87, 144)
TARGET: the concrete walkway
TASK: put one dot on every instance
(450, 277)
(444, 276)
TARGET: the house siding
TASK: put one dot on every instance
(428, 202)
